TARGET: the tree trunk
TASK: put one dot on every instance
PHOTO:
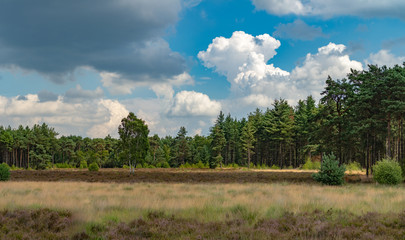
(388, 139)
(248, 158)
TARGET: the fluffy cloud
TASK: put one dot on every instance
(384, 57)
(122, 37)
(329, 8)
(255, 82)
(96, 118)
(283, 7)
(226, 55)
(298, 30)
(330, 60)
(116, 112)
(117, 85)
(190, 103)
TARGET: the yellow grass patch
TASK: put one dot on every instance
(92, 202)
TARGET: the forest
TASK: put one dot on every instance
(358, 118)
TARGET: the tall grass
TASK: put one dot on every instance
(102, 202)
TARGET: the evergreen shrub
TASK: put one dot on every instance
(330, 173)
(93, 167)
(387, 171)
(4, 172)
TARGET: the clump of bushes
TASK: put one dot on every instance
(83, 164)
(4, 172)
(275, 167)
(93, 167)
(163, 165)
(353, 166)
(310, 165)
(330, 173)
(387, 171)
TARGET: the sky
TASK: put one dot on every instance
(80, 66)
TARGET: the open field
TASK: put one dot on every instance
(173, 176)
(196, 204)
(244, 207)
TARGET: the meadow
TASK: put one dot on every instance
(215, 210)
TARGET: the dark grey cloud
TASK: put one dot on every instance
(78, 94)
(54, 37)
(46, 96)
(298, 30)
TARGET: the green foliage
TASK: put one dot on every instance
(83, 164)
(274, 167)
(387, 171)
(330, 173)
(139, 165)
(199, 165)
(4, 172)
(163, 165)
(134, 138)
(353, 166)
(93, 167)
(310, 165)
(64, 165)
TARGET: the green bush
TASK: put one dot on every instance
(163, 165)
(83, 164)
(387, 172)
(353, 166)
(310, 165)
(274, 167)
(93, 167)
(138, 165)
(4, 172)
(330, 173)
(63, 165)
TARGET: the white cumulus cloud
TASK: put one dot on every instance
(384, 57)
(97, 117)
(255, 82)
(330, 60)
(190, 103)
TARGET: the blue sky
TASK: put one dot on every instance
(81, 66)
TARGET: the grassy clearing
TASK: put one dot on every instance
(101, 202)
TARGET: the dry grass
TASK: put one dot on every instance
(95, 202)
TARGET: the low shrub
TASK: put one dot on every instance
(353, 166)
(330, 173)
(387, 171)
(163, 165)
(63, 165)
(138, 165)
(16, 168)
(274, 167)
(83, 164)
(310, 165)
(93, 167)
(4, 172)
(125, 166)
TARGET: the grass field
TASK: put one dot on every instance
(249, 210)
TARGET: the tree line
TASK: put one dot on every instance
(358, 118)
